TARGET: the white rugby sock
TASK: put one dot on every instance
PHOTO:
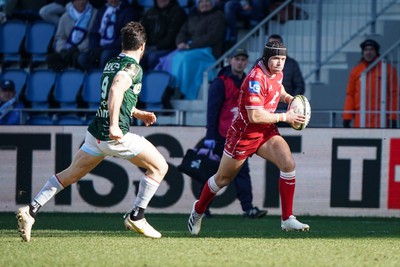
(49, 190)
(147, 189)
(213, 185)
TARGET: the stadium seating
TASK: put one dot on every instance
(38, 41)
(12, 33)
(154, 84)
(92, 88)
(39, 85)
(68, 85)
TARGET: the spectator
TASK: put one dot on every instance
(9, 105)
(248, 11)
(370, 52)
(223, 97)
(162, 23)
(53, 11)
(199, 41)
(204, 28)
(72, 36)
(104, 35)
(293, 80)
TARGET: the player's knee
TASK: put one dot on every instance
(288, 166)
(163, 168)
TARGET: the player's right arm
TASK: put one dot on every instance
(120, 84)
(262, 116)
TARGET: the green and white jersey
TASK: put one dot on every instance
(99, 128)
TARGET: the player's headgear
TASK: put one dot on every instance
(274, 48)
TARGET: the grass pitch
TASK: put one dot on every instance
(60, 239)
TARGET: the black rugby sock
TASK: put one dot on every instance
(34, 207)
(137, 214)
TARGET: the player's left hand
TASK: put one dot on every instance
(292, 117)
(149, 118)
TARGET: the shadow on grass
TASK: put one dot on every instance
(221, 226)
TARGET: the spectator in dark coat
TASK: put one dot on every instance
(104, 36)
(204, 28)
(162, 23)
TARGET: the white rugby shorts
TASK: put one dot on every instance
(127, 147)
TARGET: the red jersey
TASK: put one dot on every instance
(258, 91)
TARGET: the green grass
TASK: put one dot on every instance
(61, 239)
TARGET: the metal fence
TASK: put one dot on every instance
(318, 35)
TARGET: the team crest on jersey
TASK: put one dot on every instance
(132, 70)
(254, 87)
(137, 88)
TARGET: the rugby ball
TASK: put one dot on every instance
(300, 105)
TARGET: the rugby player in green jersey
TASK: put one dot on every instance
(108, 135)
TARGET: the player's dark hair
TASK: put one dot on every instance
(133, 36)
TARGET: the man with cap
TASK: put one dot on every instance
(253, 131)
(9, 113)
(222, 109)
(370, 52)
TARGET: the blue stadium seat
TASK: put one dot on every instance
(92, 89)
(18, 76)
(68, 85)
(40, 82)
(38, 87)
(38, 40)
(154, 84)
(12, 33)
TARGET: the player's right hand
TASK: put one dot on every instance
(115, 133)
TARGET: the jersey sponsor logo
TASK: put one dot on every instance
(254, 99)
(254, 87)
(111, 67)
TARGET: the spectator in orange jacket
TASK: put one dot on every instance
(370, 52)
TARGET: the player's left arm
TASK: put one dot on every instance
(120, 84)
